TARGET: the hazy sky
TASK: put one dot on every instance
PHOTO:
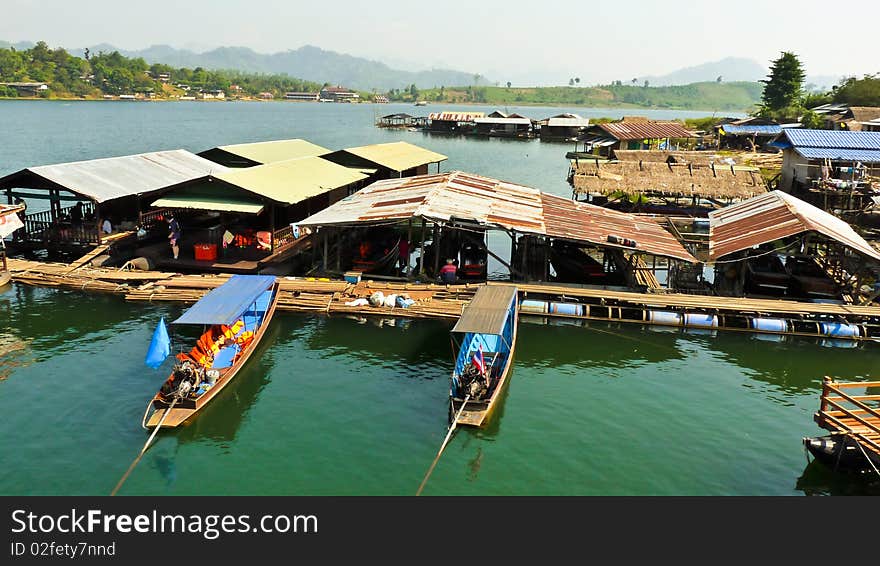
(510, 40)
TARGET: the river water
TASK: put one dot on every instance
(351, 406)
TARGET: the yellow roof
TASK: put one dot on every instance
(216, 203)
(397, 156)
(272, 151)
(292, 181)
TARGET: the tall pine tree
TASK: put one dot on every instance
(784, 86)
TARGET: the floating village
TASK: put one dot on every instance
(754, 227)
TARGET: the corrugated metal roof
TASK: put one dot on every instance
(455, 116)
(864, 155)
(490, 202)
(487, 312)
(750, 130)
(772, 216)
(833, 139)
(116, 177)
(518, 121)
(294, 180)
(397, 156)
(278, 150)
(646, 129)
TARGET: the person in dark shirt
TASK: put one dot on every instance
(174, 235)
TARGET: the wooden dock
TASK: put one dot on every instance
(543, 300)
(843, 412)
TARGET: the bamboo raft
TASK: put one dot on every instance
(311, 295)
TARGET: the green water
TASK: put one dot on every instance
(359, 407)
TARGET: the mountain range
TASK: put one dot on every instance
(320, 65)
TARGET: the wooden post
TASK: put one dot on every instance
(422, 250)
(436, 249)
(408, 242)
(272, 229)
(326, 239)
(339, 251)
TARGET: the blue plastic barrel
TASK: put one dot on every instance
(665, 317)
(530, 306)
(770, 324)
(570, 309)
(840, 329)
(698, 320)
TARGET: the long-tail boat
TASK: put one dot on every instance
(484, 339)
(235, 316)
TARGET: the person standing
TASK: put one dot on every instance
(174, 235)
(403, 255)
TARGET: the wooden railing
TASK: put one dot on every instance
(41, 227)
(841, 411)
(152, 218)
(285, 236)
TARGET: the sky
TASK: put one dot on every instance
(524, 42)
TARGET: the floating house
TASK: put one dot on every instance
(261, 153)
(563, 127)
(81, 195)
(750, 134)
(256, 208)
(27, 89)
(446, 217)
(681, 183)
(397, 120)
(453, 122)
(387, 160)
(303, 96)
(635, 133)
(499, 124)
(787, 248)
(831, 169)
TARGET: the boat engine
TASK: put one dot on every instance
(473, 382)
(187, 377)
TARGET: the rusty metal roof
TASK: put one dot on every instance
(773, 216)
(489, 202)
(647, 129)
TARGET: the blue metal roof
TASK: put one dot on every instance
(833, 139)
(838, 154)
(746, 129)
(226, 303)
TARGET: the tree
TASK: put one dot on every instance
(783, 86)
(570, 82)
(858, 92)
(634, 81)
(718, 80)
(647, 84)
(812, 121)
(577, 80)
(508, 85)
(413, 91)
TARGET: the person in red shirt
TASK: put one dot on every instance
(448, 272)
(403, 255)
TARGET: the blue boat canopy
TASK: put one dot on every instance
(226, 303)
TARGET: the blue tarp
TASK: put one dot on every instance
(160, 346)
(226, 303)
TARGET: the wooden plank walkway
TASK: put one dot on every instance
(841, 410)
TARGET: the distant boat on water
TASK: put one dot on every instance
(420, 103)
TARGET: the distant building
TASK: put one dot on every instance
(27, 89)
(454, 122)
(563, 127)
(211, 95)
(633, 132)
(845, 117)
(338, 94)
(304, 96)
(265, 96)
(379, 99)
(164, 77)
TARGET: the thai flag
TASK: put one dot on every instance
(479, 362)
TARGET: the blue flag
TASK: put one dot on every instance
(160, 346)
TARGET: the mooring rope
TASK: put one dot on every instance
(876, 471)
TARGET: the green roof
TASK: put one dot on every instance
(201, 198)
(272, 151)
(292, 181)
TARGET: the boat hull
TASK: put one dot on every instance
(477, 413)
(181, 414)
(841, 453)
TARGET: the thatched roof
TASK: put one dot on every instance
(653, 178)
(660, 156)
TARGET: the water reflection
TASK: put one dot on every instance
(221, 419)
(818, 479)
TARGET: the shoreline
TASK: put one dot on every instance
(437, 104)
